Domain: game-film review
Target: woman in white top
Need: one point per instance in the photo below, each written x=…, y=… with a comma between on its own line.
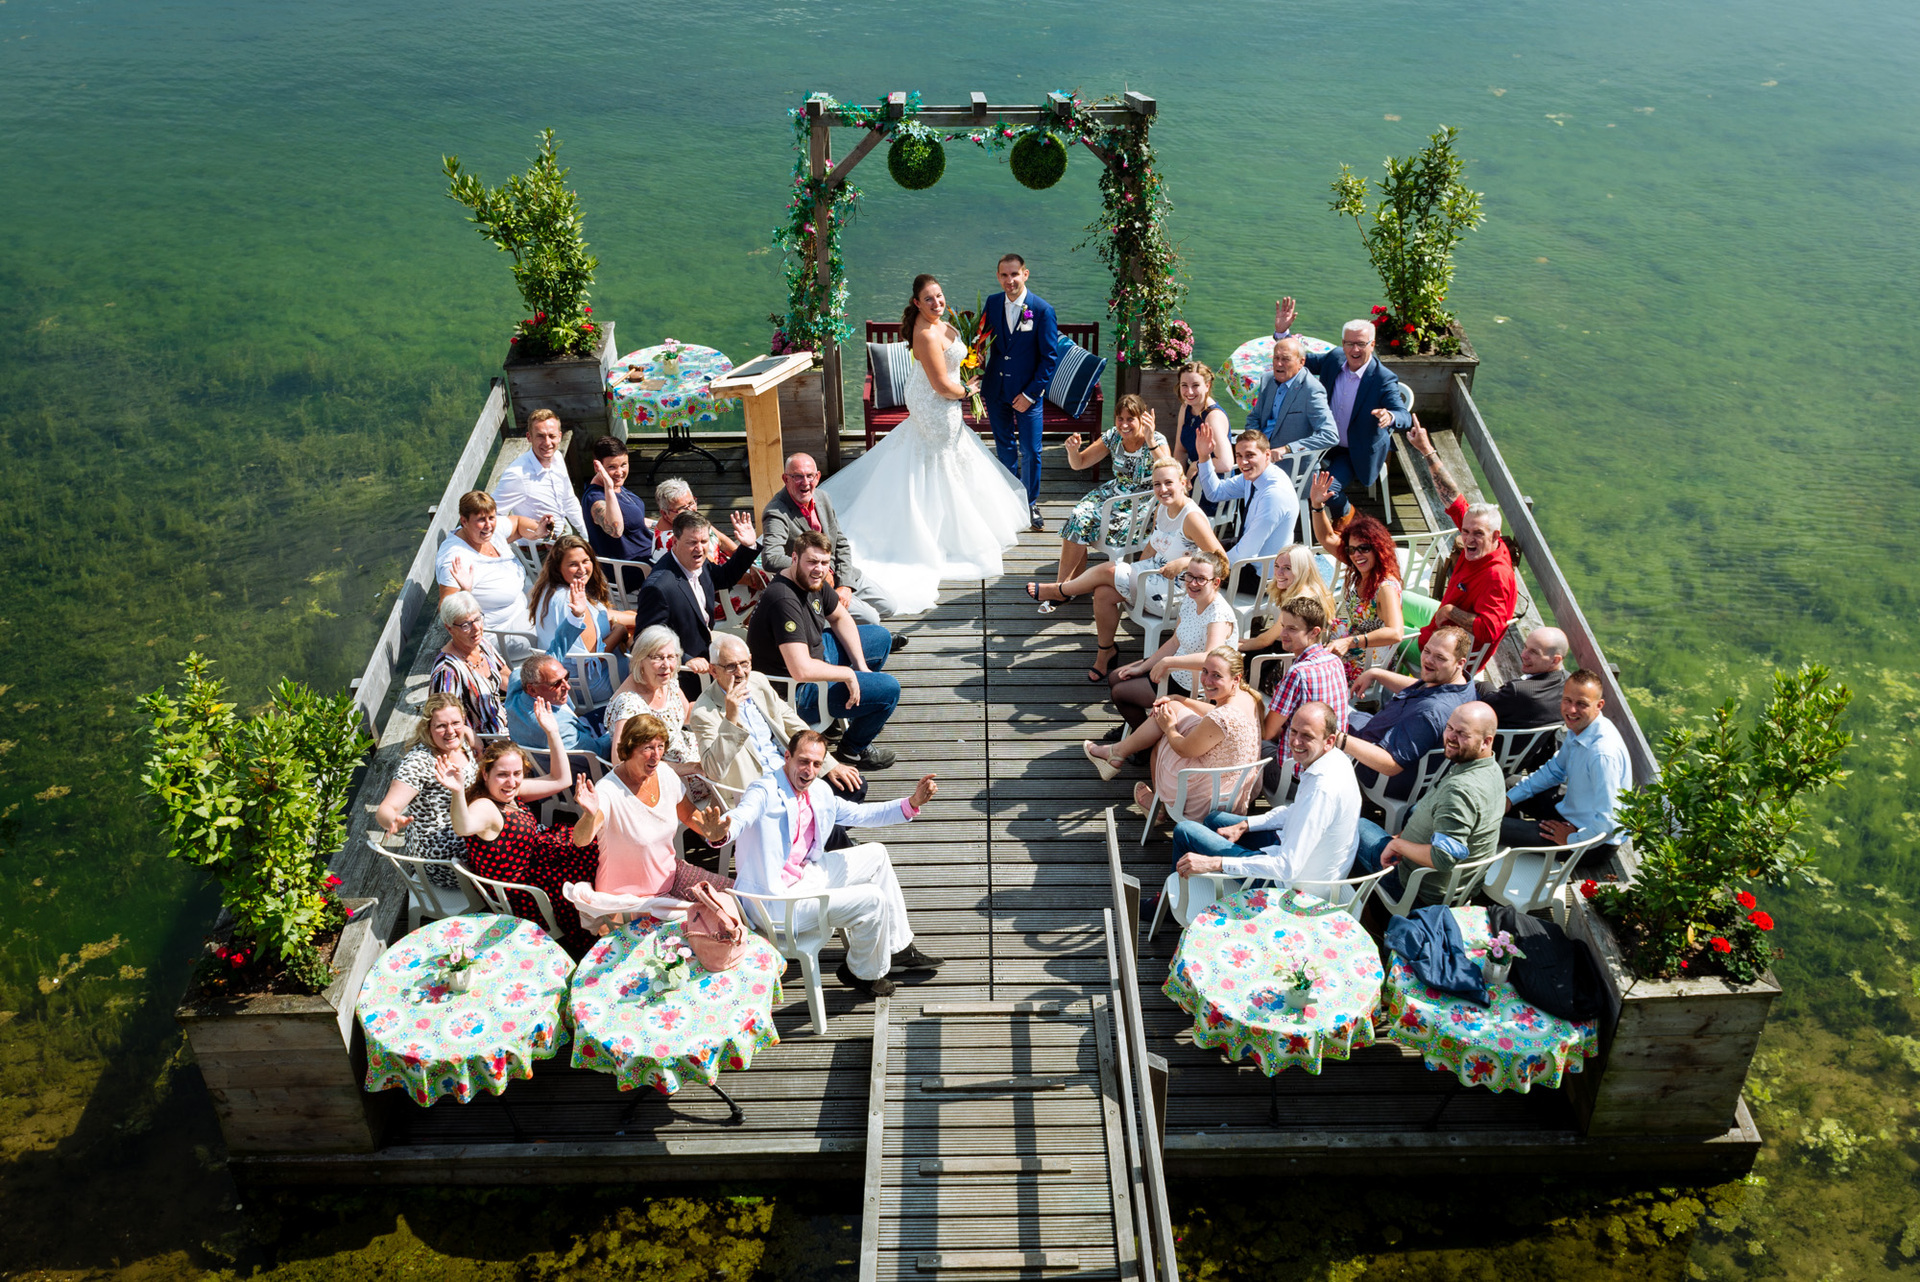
x=653, y=686
x=1204, y=623
x=1179, y=527
x=478, y=558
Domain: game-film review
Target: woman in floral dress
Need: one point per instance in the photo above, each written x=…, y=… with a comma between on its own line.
x=1132, y=444
x=1370, y=612
x=416, y=803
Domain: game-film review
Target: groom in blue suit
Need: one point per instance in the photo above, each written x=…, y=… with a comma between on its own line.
x=1026, y=347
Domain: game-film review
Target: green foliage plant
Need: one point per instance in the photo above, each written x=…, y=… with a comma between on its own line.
x=1038, y=160
x=916, y=160
x=260, y=803
x=536, y=218
x=1722, y=814
x=1423, y=211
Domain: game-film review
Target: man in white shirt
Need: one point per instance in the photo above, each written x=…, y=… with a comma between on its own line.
x=536, y=484
x=1273, y=505
x=1315, y=835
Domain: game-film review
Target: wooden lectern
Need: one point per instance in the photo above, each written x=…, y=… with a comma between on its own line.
x=757, y=385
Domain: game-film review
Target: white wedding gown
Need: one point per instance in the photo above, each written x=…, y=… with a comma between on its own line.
x=930, y=501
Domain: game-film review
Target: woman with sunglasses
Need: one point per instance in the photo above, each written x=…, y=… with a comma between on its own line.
x=1370, y=610
x=1203, y=622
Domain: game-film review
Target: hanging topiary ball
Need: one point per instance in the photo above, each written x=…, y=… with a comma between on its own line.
x=1038, y=160
x=916, y=163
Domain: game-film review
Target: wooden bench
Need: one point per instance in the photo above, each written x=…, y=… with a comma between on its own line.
x=1053, y=420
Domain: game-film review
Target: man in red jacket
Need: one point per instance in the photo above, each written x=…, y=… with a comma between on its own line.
x=1483, y=591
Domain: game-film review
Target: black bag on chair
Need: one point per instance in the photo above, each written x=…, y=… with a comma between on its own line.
x=1558, y=973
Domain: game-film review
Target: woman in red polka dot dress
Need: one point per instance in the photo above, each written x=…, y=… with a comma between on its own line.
x=503, y=841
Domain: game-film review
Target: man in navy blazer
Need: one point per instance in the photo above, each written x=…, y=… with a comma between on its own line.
x=1026, y=347
x=684, y=588
x=1367, y=402
x=1290, y=407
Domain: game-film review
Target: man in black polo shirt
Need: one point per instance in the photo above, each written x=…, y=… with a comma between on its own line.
x=801, y=629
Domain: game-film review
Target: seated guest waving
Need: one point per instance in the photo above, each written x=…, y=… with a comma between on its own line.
x=801, y=630
x=1370, y=583
x=477, y=558
x=1133, y=446
x=1592, y=767
x=572, y=610
x=1533, y=697
x=1290, y=405
x=652, y=687
x=1294, y=575
x=1179, y=527
x=1366, y=400
x=415, y=803
x=543, y=681
x=1482, y=591
x=743, y=727
x=1202, y=422
x=616, y=517
x=1273, y=506
x=802, y=505
x=1465, y=806
x=635, y=814
x=780, y=830
x=1393, y=740
x=504, y=843
x=536, y=484
x=683, y=592
x=1312, y=839
x=469, y=666
x=1203, y=622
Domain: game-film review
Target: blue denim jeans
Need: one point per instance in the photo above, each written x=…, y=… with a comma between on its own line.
x=1366, y=859
x=879, y=693
x=1201, y=839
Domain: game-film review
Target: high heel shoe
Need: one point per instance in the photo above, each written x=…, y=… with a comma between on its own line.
x=1047, y=605
x=1098, y=676
x=1108, y=769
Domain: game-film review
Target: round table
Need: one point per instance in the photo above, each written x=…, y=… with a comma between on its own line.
x=1227, y=975
x=1509, y=1045
x=661, y=1039
x=671, y=405
x=430, y=1041
x=1253, y=361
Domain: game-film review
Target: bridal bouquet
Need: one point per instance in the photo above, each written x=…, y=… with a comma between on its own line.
x=978, y=336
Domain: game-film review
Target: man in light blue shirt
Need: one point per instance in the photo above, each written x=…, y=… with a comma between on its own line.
x=1591, y=764
x=1273, y=508
x=544, y=677
x=1290, y=407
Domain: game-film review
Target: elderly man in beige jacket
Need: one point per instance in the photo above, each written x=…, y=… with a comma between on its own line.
x=743, y=727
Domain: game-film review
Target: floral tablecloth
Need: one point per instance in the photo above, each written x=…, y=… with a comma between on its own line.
x=658, y=402
x=1253, y=361
x=647, y=1038
x=1227, y=975
x=1510, y=1045
x=430, y=1041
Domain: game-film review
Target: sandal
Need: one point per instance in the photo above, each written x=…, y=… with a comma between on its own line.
x=1098, y=676
x=1046, y=603
x=1107, y=767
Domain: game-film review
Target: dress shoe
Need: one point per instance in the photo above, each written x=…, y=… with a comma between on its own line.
x=1036, y=522
x=899, y=643
x=881, y=987
x=911, y=958
x=872, y=757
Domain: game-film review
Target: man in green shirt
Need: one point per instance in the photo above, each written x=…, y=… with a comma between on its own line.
x=1466, y=804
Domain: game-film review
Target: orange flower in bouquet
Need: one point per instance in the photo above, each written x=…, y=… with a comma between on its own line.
x=978, y=336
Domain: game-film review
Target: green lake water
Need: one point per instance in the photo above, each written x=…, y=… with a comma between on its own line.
x=242, y=334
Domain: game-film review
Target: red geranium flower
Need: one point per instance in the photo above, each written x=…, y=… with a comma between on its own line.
x=1683, y=965
x=1589, y=888
x=237, y=961
x=589, y=311
x=1394, y=343
x=332, y=881
x=1378, y=310
x=1762, y=920
x=1744, y=899
x=1409, y=329
x=1720, y=945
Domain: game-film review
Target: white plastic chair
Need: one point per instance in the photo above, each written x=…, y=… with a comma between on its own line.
x=1134, y=512
x=1419, y=554
x=795, y=942
x=1301, y=468
x=581, y=667
x=425, y=901
x=1536, y=877
x=1358, y=891
x=531, y=556
x=788, y=690
x=623, y=580
x=1463, y=882
x=562, y=809
x=1246, y=602
x=1426, y=773
x=1513, y=745
x=1216, y=778
x=494, y=895
x=1260, y=663
x=1151, y=625
x=736, y=605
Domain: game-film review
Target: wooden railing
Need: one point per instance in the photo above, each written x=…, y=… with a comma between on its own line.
x=1144, y=1075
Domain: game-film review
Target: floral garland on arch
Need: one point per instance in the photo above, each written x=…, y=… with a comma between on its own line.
x=1131, y=228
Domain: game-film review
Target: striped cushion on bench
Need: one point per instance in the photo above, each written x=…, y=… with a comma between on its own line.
x=1075, y=379
x=890, y=363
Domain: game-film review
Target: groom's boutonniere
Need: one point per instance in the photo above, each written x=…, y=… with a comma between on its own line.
x=1026, y=318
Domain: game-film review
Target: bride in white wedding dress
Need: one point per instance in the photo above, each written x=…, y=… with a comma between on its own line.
x=930, y=501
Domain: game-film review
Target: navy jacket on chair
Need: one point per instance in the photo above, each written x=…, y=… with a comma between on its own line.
x=1366, y=443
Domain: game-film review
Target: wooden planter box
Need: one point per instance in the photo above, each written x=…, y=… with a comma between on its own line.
x=1430, y=378
x=1673, y=1055
x=575, y=389
x=1160, y=389
x=285, y=1071
x=803, y=417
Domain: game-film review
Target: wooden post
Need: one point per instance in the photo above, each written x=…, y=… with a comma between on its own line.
x=977, y=101
x=1127, y=378
x=819, y=154
x=766, y=456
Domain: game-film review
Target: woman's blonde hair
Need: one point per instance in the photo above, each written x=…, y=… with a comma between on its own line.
x=422, y=737
x=1306, y=579
x=1202, y=369
x=1236, y=667
x=1213, y=561
x=638, y=730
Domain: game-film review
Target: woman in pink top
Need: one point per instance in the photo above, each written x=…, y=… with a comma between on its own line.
x=1221, y=730
x=635, y=814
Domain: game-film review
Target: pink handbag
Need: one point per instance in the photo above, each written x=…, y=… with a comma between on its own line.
x=713, y=927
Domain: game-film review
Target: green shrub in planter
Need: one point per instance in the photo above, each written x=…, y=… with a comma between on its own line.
x=1038, y=160
x=916, y=163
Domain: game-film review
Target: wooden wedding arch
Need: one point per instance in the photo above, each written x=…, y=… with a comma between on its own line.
x=823, y=116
